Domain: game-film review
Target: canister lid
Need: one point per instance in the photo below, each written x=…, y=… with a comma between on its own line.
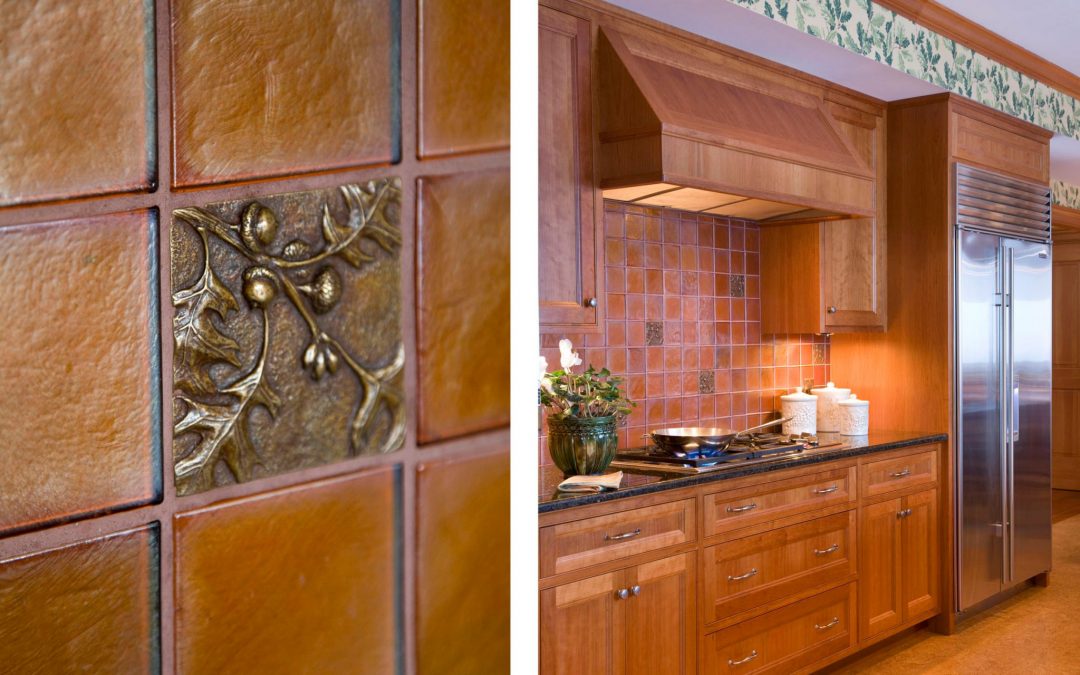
x=853, y=402
x=831, y=390
x=798, y=396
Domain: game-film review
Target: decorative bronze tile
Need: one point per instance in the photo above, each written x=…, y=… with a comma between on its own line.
x=79, y=368
x=308, y=368
x=77, y=86
x=738, y=286
x=270, y=88
x=819, y=353
x=299, y=580
x=91, y=607
x=706, y=382
x=654, y=333
x=463, y=565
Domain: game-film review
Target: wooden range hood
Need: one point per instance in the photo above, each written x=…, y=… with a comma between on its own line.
x=679, y=128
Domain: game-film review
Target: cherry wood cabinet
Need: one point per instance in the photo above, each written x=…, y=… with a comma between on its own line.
x=831, y=558
x=570, y=229
x=637, y=620
x=898, y=541
x=829, y=275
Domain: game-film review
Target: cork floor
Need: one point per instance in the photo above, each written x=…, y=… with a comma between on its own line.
x=1036, y=632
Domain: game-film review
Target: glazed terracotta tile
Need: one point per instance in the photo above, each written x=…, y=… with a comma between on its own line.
x=80, y=358
x=91, y=129
x=287, y=338
x=90, y=607
x=463, y=565
x=263, y=89
x=464, y=76
x=298, y=580
x=463, y=337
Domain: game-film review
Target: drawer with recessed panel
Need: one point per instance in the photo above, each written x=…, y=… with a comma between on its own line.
x=898, y=473
x=582, y=543
x=755, y=505
x=746, y=573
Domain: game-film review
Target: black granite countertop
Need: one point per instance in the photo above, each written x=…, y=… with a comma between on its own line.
x=640, y=482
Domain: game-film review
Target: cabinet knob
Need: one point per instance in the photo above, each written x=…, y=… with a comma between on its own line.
x=635, y=590
x=832, y=309
x=622, y=594
x=903, y=514
x=590, y=302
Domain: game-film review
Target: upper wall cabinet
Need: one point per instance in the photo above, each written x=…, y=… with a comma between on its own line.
x=829, y=275
x=569, y=268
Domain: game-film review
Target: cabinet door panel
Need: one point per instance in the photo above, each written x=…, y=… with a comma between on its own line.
x=569, y=273
x=919, y=533
x=853, y=283
x=581, y=627
x=879, y=568
x=660, y=621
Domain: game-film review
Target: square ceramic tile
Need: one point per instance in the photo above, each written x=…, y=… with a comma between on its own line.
x=288, y=348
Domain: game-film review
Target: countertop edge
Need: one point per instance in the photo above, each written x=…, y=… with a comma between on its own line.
x=717, y=476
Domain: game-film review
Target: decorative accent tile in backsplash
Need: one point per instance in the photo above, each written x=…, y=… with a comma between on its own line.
x=683, y=324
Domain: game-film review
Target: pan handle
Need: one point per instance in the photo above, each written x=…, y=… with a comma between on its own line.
x=764, y=426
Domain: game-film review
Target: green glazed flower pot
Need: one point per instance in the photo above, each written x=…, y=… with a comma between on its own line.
x=582, y=446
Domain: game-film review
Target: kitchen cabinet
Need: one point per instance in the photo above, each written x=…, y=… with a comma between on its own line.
x=637, y=620
x=571, y=231
x=829, y=275
x=775, y=572
x=898, y=558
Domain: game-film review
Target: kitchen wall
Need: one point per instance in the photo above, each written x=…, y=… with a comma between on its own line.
x=683, y=324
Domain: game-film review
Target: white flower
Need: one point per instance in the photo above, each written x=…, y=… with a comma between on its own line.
x=545, y=381
x=569, y=357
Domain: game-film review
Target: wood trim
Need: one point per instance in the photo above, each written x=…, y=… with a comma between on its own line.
x=1065, y=219
x=958, y=28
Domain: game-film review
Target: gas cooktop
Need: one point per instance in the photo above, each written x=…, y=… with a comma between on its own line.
x=751, y=448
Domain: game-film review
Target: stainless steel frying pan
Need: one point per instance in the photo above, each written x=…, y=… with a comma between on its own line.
x=683, y=441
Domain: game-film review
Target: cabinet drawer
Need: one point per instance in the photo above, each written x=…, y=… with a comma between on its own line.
x=582, y=543
x=787, y=639
x=898, y=473
x=749, y=572
x=726, y=511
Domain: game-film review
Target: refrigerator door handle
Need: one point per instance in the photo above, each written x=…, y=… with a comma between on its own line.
x=1013, y=421
x=1015, y=411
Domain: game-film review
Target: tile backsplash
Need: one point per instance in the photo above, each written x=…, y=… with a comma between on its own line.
x=683, y=325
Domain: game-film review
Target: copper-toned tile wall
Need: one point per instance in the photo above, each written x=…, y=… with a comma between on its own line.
x=683, y=325
x=299, y=580
x=78, y=368
x=272, y=88
x=90, y=607
x=123, y=117
x=464, y=76
x=461, y=569
x=76, y=81
x=464, y=318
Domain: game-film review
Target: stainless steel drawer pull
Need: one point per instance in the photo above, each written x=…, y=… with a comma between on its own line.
x=825, y=491
x=827, y=626
x=624, y=535
x=826, y=551
x=903, y=514
x=752, y=572
x=753, y=655
x=740, y=509
x=902, y=473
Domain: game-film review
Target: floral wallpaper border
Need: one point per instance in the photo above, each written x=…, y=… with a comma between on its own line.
x=878, y=33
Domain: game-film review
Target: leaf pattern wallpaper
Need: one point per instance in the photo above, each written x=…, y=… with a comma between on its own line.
x=870, y=30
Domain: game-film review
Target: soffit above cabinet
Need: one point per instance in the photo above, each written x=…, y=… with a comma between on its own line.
x=675, y=115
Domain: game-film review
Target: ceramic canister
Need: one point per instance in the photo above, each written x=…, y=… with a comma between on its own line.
x=854, y=416
x=828, y=418
x=802, y=408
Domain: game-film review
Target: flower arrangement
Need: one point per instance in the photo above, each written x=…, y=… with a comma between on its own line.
x=593, y=393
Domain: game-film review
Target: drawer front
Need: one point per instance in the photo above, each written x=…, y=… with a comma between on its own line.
x=787, y=639
x=727, y=511
x=591, y=541
x=889, y=475
x=746, y=573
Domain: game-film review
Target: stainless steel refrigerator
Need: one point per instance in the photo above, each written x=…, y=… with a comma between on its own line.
x=1003, y=365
